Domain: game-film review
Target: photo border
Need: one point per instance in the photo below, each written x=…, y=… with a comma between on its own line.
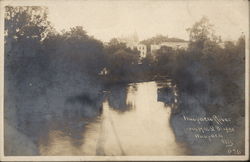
x=110, y=158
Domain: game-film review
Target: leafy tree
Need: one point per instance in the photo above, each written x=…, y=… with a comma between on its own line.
x=75, y=51
x=25, y=29
x=25, y=23
x=202, y=37
x=121, y=60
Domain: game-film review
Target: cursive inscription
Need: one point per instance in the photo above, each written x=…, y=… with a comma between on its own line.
x=213, y=129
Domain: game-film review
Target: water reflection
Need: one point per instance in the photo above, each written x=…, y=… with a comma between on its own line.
x=167, y=93
x=117, y=97
x=132, y=122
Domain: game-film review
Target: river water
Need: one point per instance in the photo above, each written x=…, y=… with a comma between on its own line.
x=141, y=127
x=146, y=118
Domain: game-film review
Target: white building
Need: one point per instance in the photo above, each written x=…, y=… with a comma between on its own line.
x=154, y=47
x=143, y=50
x=174, y=45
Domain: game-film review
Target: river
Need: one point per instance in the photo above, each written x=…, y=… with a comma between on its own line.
x=141, y=127
x=146, y=118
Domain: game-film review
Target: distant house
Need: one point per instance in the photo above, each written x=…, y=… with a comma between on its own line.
x=132, y=42
x=140, y=47
x=174, y=45
x=154, y=47
x=143, y=50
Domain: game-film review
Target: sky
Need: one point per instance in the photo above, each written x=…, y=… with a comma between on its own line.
x=106, y=19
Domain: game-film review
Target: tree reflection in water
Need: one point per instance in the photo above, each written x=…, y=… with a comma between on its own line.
x=117, y=97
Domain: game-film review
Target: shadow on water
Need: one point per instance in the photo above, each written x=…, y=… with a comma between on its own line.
x=63, y=108
x=33, y=111
x=90, y=105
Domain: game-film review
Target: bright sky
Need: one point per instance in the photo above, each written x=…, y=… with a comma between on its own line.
x=105, y=19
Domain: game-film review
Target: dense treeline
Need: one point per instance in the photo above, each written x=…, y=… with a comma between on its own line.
x=210, y=71
x=206, y=68
x=34, y=50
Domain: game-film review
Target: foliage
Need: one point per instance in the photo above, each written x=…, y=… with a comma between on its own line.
x=121, y=60
x=26, y=27
x=204, y=68
x=202, y=37
x=76, y=51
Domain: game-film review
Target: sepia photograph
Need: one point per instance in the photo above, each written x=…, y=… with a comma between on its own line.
x=124, y=80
